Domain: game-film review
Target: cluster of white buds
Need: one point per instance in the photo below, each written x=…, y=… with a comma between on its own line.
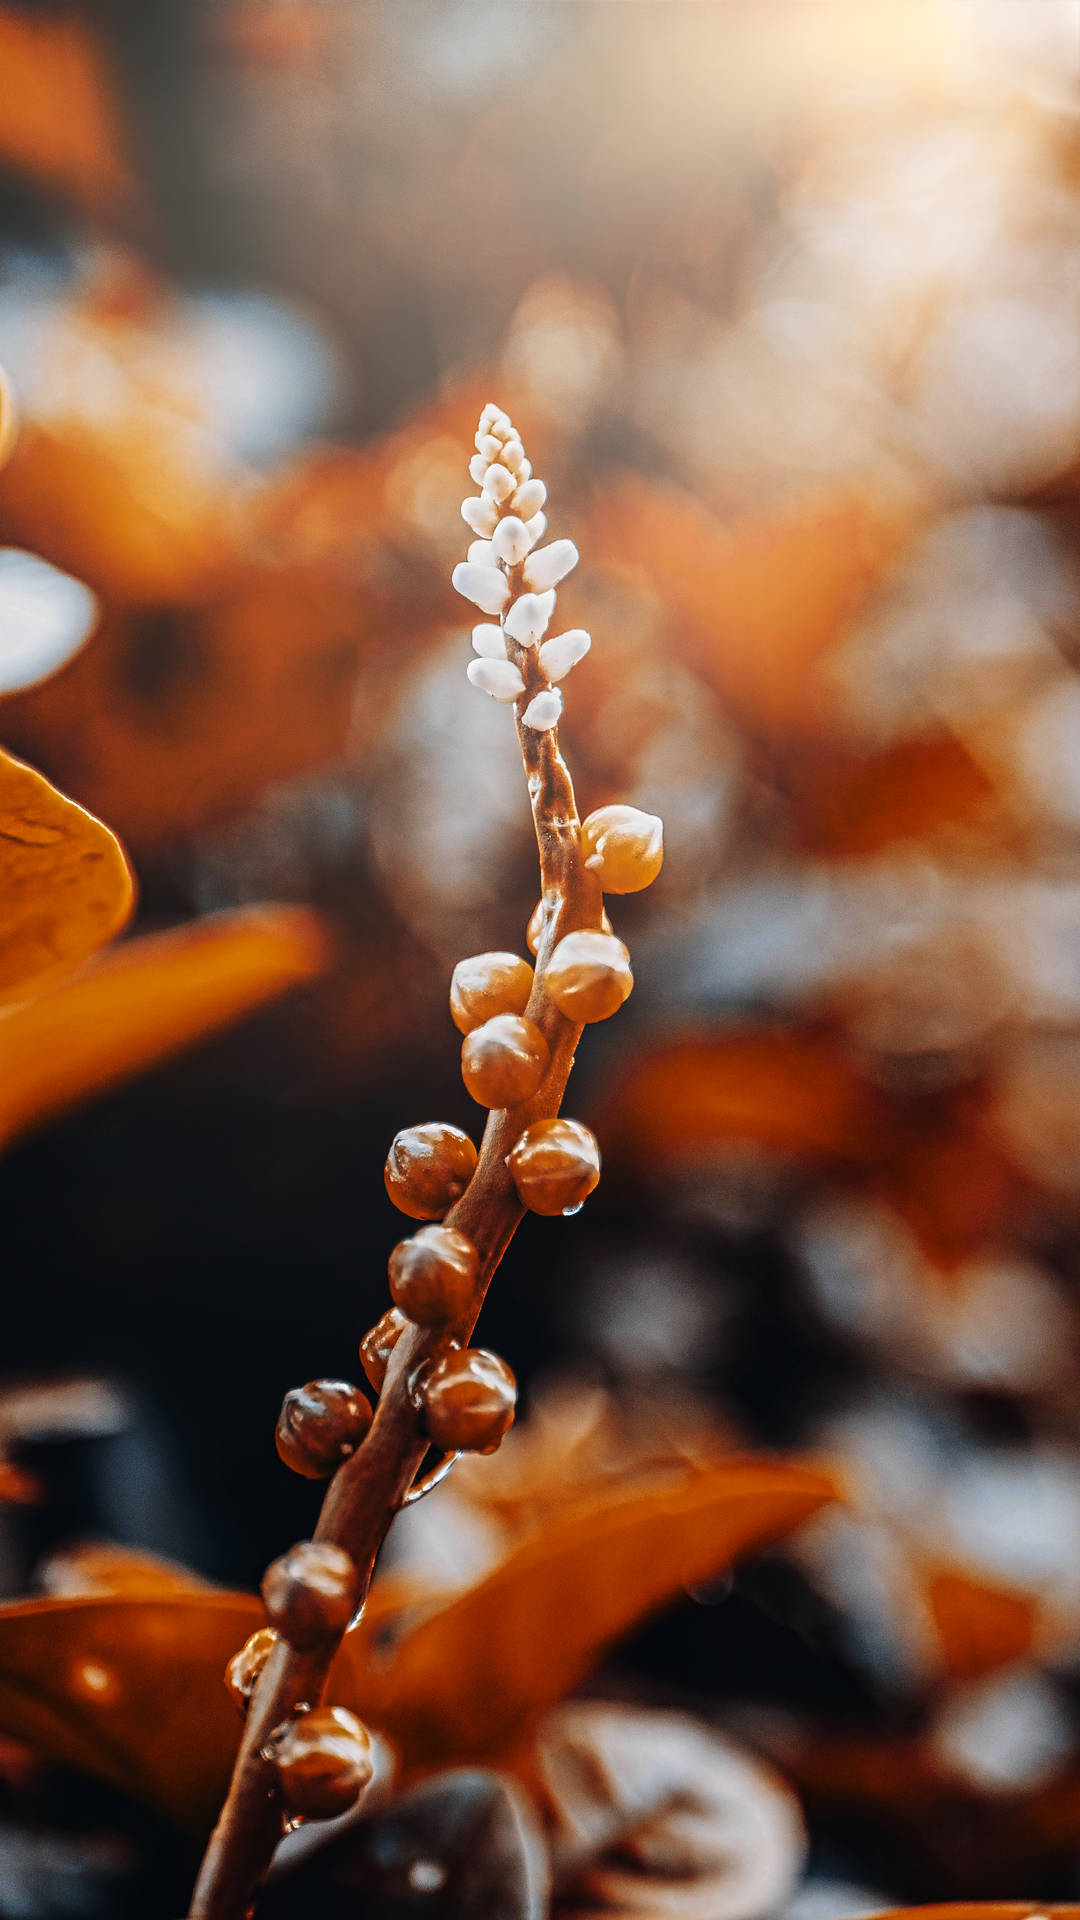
x=509, y=576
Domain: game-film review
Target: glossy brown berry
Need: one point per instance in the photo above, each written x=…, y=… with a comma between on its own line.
x=243, y=1670
x=320, y=1425
x=468, y=1401
x=624, y=847
x=310, y=1593
x=504, y=1061
x=377, y=1346
x=428, y=1168
x=555, y=1166
x=588, y=976
x=536, y=926
x=487, y=984
x=323, y=1761
x=432, y=1275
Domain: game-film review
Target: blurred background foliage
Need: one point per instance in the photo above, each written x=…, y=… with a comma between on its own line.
x=785, y=300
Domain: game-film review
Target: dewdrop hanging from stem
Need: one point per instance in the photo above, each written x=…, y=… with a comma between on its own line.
x=521, y=1027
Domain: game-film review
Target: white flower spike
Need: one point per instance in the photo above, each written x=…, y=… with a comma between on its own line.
x=510, y=541
x=528, y=618
x=529, y=499
x=481, y=515
x=563, y=651
x=486, y=587
x=499, y=678
x=543, y=711
x=512, y=579
x=498, y=483
x=550, y=565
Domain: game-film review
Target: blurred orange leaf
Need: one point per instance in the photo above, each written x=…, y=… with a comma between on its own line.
x=800, y=1093
x=130, y=1690
x=468, y=1680
x=854, y=806
x=59, y=123
x=792, y=1093
x=980, y=1624
x=945, y=1175
x=66, y=885
x=128, y=1685
x=99, y=1567
x=982, y=1910
x=145, y=1003
x=758, y=604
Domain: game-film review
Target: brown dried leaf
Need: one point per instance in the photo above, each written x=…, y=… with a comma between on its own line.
x=467, y=1680
x=654, y=1814
x=65, y=882
x=465, y=1846
x=144, y=1003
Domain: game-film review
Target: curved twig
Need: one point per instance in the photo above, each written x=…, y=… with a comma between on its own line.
x=371, y=1486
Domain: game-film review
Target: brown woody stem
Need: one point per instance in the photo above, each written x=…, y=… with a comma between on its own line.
x=368, y=1490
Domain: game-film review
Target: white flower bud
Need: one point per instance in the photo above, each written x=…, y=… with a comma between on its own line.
x=527, y=620
x=480, y=515
x=543, y=710
x=512, y=456
x=486, y=587
x=524, y=471
x=482, y=554
x=492, y=417
x=563, y=651
x=487, y=445
x=478, y=467
x=529, y=499
x=489, y=641
x=536, y=528
x=551, y=564
x=498, y=482
x=510, y=541
x=499, y=678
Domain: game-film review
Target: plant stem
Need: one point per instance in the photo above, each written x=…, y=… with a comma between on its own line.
x=368, y=1489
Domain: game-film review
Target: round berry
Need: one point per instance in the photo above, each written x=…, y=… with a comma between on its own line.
x=323, y=1761
x=504, y=1061
x=432, y=1276
x=588, y=976
x=310, y=1593
x=243, y=1670
x=378, y=1344
x=468, y=1400
x=624, y=847
x=535, y=927
x=320, y=1425
x=428, y=1168
x=555, y=1166
x=487, y=984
